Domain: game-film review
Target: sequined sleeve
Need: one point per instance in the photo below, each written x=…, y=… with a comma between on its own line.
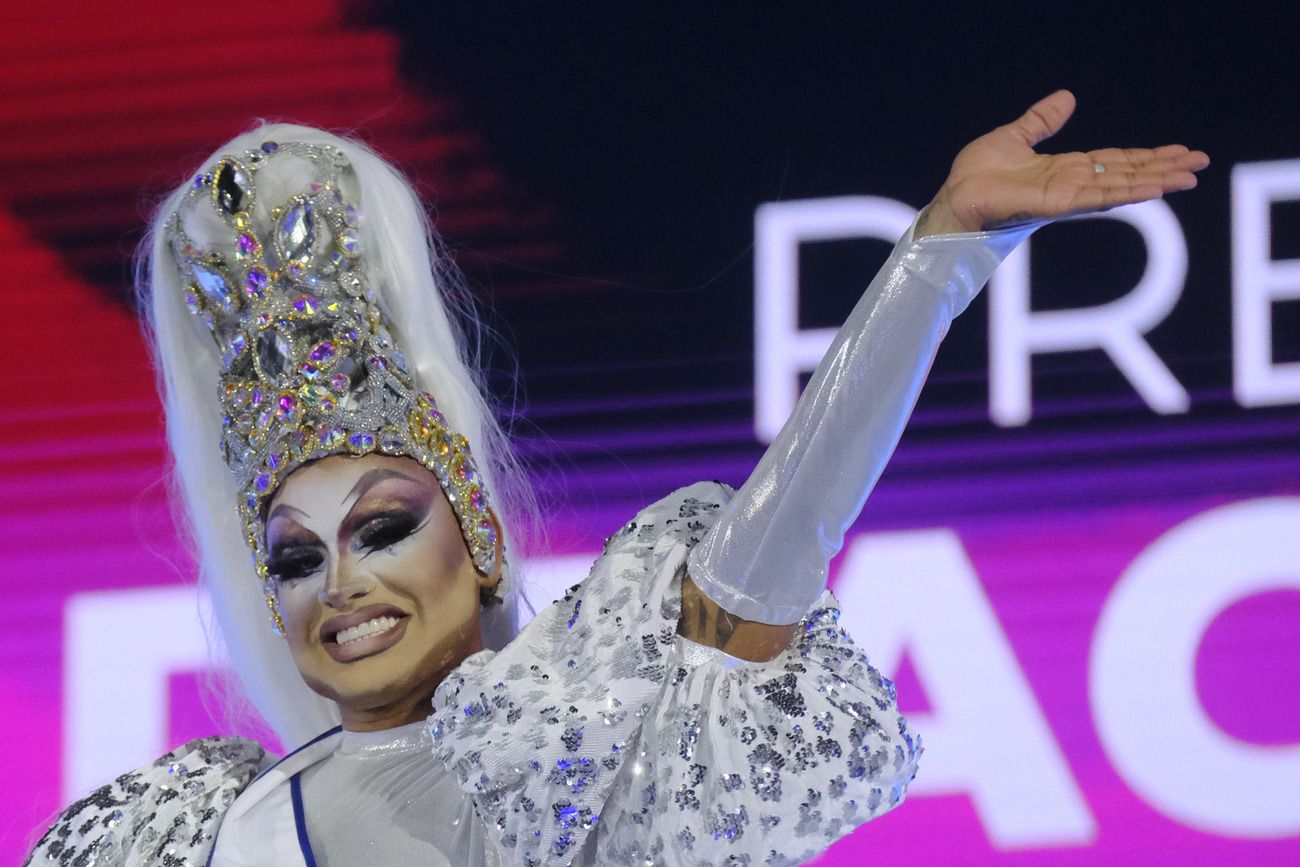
x=600, y=736
x=767, y=558
x=761, y=763
x=165, y=813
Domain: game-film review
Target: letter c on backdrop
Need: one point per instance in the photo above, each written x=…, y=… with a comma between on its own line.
x=1142, y=672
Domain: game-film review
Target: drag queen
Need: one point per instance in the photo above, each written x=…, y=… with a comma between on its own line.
x=692, y=701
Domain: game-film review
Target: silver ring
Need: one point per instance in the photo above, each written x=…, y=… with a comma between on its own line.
x=1098, y=168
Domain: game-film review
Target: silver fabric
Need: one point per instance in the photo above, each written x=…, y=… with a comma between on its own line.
x=767, y=558
x=600, y=736
x=382, y=798
x=164, y=813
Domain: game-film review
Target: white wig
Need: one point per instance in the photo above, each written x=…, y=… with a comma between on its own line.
x=424, y=300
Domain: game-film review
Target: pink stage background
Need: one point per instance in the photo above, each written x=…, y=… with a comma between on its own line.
x=1094, y=621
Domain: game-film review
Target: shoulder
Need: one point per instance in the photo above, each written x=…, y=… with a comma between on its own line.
x=685, y=515
x=175, y=803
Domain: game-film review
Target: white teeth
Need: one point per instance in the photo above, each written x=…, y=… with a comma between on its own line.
x=365, y=630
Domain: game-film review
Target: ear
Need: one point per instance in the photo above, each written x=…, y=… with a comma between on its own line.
x=487, y=583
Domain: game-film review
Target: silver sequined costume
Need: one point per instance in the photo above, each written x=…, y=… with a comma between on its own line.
x=599, y=736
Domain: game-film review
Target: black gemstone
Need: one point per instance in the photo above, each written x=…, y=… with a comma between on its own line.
x=230, y=192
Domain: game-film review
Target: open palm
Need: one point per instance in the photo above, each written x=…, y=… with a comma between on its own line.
x=999, y=180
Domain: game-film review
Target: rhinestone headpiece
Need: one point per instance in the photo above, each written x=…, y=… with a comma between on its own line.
x=308, y=363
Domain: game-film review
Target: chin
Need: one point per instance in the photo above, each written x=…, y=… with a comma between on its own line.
x=366, y=683
x=398, y=675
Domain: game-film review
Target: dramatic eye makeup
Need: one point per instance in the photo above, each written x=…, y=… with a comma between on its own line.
x=390, y=507
x=384, y=525
x=295, y=551
x=291, y=562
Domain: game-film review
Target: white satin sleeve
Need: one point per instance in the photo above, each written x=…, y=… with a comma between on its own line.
x=767, y=558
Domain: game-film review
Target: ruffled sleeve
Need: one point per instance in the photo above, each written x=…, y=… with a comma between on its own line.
x=764, y=763
x=166, y=813
x=601, y=736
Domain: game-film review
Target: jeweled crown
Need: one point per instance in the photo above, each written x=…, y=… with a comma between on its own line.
x=309, y=367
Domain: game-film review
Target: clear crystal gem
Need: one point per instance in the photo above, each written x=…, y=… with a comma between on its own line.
x=273, y=351
x=212, y=285
x=296, y=234
x=235, y=347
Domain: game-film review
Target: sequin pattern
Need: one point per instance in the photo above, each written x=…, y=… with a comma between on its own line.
x=600, y=720
x=166, y=814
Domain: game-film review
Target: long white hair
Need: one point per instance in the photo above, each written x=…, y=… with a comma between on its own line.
x=426, y=303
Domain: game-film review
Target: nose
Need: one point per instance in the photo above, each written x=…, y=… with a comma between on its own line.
x=343, y=583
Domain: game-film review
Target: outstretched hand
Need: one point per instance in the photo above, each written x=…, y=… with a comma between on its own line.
x=999, y=180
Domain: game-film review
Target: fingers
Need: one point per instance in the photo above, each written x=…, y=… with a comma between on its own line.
x=1099, y=198
x=1044, y=118
x=1122, y=183
x=1161, y=159
x=1165, y=174
x=1164, y=182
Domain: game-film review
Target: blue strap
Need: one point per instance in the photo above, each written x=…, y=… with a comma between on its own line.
x=287, y=756
x=297, y=802
x=300, y=821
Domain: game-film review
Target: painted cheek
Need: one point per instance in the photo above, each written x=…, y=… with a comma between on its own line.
x=297, y=602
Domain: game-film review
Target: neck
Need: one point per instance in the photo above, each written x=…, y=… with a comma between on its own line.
x=410, y=709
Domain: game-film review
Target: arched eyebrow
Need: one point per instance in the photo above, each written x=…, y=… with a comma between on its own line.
x=372, y=478
x=283, y=510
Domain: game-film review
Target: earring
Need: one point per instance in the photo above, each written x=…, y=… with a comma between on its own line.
x=273, y=605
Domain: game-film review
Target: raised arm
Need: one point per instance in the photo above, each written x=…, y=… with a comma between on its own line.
x=765, y=562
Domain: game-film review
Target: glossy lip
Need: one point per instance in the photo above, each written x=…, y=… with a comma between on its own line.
x=363, y=647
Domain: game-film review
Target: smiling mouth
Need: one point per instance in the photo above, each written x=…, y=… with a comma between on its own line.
x=377, y=626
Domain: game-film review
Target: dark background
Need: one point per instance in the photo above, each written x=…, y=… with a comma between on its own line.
x=594, y=170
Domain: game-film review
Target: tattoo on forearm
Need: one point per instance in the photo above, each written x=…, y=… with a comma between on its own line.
x=706, y=622
x=703, y=620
